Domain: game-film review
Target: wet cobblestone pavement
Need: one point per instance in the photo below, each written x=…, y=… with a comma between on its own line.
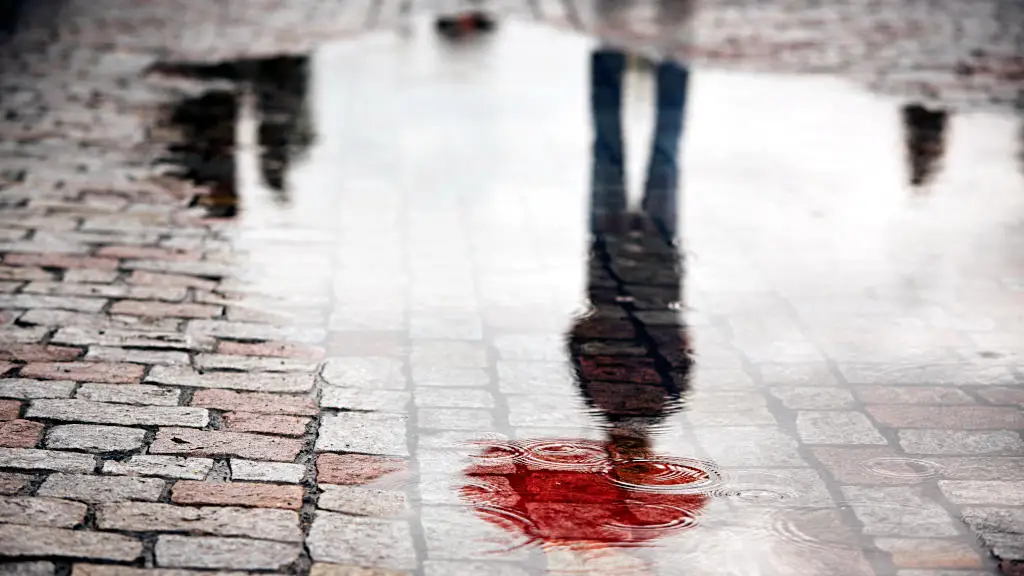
x=302, y=288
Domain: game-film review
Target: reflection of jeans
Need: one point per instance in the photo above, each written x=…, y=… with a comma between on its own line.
x=609, y=167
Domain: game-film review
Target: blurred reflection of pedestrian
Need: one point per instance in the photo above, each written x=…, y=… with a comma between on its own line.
x=608, y=177
x=925, y=132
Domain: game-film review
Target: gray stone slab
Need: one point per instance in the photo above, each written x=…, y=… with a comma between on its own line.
x=367, y=433
x=92, y=438
x=232, y=553
x=359, y=541
x=100, y=489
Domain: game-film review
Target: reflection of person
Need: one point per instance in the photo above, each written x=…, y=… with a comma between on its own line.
x=608, y=175
x=925, y=133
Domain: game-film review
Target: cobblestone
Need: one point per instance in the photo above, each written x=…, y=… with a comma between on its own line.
x=20, y=434
x=215, y=443
x=121, y=414
x=167, y=466
x=112, y=354
x=363, y=501
x=232, y=553
x=367, y=433
x=237, y=494
x=84, y=372
x=960, y=442
x=1005, y=493
x=9, y=410
x=31, y=541
x=30, y=389
x=11, y=484
x=253, y=363
x=39, y=353
x=41, y=512
x=355, y=468
x=266, y=524
x=257, y=403
x=31, y=459
x=265, y=382
x=68, y=288
x=926, y=553
x=94, y=438
x=129, y=394
x=898, y=511
x=28, y=569
x=267, y=471
x=361, y=541
x=265, y=423
x=837, y=427
x=101, y=489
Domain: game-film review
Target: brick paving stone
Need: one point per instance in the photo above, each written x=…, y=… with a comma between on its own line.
x=122, y=414
x=237, y=494
x=31, y=459
x=261, y=523
x=50, y=512
x=837, y=427
x=1005, y=493
x=454, y=419
x=81, y=326
x=960, y=417
x=937, y=395
x=90, y=275
x=749, y=446
x=251, y=331
x=101, y=489
x=167, y=466
x=24, y=273
x=325, y=569
x=67, y=288
x=452, y=398
x=20, y=433
x=203, y=269
x=95, y=438
x=6, y=367
x=231, y=553
x=11, y=483
x=163, y=310
x=141, y=394
x=18, y=335
x=256, y=382
x=267, y=471
x=342, y=539
x=367, y=400
x=114, y=338
x=143, y=278
x=9, y=410
x=60, y=261
x=41, y=568
x=968, y=442
x=113, y=354
x=928, y=553
x=375, y=373
x=27, y=541
x=265, y=423
x=813, y=398
x=112, y=373
x=898, y=511
x=39, y=353
x=368, y=433
x=26, y=389
x=146, y=252
x=271, y=349
x=1003, y=395
x=352, y=469
x=255, y=402
x=59, y=302
x=117, y=570
x=360, y=501
x=253, y=363
x=216, y=443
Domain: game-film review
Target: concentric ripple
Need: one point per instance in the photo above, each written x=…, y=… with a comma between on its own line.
x=559, y=454
x=902, y=468
x=666, y=475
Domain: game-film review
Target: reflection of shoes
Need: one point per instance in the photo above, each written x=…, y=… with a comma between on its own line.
x=465, y=24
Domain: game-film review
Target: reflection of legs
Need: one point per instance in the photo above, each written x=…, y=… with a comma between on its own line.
x=608, y=185
x=663, y=171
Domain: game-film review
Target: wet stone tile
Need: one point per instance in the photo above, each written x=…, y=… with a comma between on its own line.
x=167, y=466
x=354, y=469
x=367, y=433
x=966, y=442
x=936, y=395
x=366, y=400
x=454, y=419
x=255, y=402
x=326, y=569
x=251, y=382
x=261, y=523
x=41, y=568
x=141, y=395
x=31, y=389
x=930, y=553
x=33, y=511
x=237, y=494
x=530, y=377
x=954, y=374
x=185, y=441
x=749, y=446
x=449, y=354
x=453, y=398
x=337, y=538
x=375, y=373
x=449, y=377
x=233, y=553
x=451, y=568
x=898, y=511
x=546, y=411
x=91, y=438
x=837, y=427
x=785, y=487
x=813, y=397
x=981, y=468
x=101, y=489
x=457, y=534
x=28, y=541
x=959, y=417
x=1005, y=493
x=361, y=501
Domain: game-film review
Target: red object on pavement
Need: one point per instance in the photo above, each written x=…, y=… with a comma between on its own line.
x=586, y=493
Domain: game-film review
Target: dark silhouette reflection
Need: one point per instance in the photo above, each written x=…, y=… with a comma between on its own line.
x=208, y=123
x=631, y=358
x=608, y=172
x=925, y=132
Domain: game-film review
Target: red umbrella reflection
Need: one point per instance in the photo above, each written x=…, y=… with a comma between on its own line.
x=586, y=493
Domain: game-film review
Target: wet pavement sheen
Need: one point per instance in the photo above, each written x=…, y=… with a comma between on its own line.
x=554, y=344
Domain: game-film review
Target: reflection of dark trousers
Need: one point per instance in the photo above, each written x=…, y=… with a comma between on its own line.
x=609, y=173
